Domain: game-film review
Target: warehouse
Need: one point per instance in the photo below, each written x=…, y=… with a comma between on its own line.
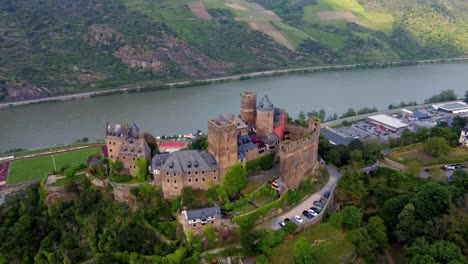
x=387, y=122
x=454, y=108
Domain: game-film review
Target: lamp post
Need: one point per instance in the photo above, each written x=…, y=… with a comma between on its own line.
x=53, y=159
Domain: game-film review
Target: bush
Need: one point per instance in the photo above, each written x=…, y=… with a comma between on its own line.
x=263, y=163
x=120, y=178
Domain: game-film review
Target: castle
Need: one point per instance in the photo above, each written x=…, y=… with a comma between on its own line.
x=260, y=129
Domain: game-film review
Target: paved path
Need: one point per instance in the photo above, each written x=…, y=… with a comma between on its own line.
x=307, y=203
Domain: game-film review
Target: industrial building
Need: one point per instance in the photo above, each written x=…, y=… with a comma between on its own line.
x=454, y=108
x=387, y=122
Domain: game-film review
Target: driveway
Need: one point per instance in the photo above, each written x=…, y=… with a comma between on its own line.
x=308, y=202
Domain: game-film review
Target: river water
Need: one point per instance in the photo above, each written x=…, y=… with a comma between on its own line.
x=184, y=110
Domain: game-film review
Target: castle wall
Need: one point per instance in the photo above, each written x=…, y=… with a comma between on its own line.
x=281, y=127
x=248, y=107
x=222, y=144
x=265, y=123
x=299, y=157
x=172, y=183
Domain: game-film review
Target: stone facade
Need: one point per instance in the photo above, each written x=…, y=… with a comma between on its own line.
x=124, y=144
x=248, y=107
x=222, y=142
x=299, y=155
x=184, y=169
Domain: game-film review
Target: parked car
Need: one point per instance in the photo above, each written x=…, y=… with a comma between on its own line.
x=282, y=224
x=312, y=212
x=459, y=166
x=326, y=195
x=318, y=203
x=298, y=219
x=323, y=199
x=308, y=214
x=316, y=209
x=448, y=167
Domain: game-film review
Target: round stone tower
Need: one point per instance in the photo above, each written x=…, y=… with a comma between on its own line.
x=248, y=107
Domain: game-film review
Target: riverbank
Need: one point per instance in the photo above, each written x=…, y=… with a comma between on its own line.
x=152, y=86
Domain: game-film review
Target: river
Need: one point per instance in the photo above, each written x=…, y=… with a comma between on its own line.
x=184, y=110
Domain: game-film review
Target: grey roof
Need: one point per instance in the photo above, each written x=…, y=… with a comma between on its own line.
x=335, y=137
x=184, y=161
x=420, y=115
x=265, y=104
x=244, y=143
x=222, y=121
x=94, y=161
x=453, y=106
x=271, y=139
x=278, y=115
x=135, y=147
x=204, y=213
x=236, y=119
x=122, y=130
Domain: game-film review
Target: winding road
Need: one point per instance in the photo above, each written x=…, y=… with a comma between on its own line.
x=335, y=175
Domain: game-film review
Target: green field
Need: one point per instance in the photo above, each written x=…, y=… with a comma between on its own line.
x=37, y=168
x=333, y=245
x=416, y=152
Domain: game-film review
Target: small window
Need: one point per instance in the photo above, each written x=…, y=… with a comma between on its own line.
x=124, y=157
x=189, y=173
x=175, y=181
x=133, y=158
x=189, y=180
x=168, y=180
x=112, y=157
x=196, y=179
x=202, y=172
x=110, y=150
x=196, y=172
x=167, y=173
x=176, y=187
x=214, y=171
x=203, y=179
x=174, y=174
x=114, y=143
x=214, y=177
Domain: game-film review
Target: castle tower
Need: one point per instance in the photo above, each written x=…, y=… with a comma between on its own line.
x=248, y=107
x=265, y=117
x=222, y=143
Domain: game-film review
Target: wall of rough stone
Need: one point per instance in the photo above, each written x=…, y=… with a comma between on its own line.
x=299, y=157
x=264, y=122
x=248, y=107
x=222, y=144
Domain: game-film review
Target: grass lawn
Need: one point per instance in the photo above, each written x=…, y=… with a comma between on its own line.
x=294, y=35
x=334, y=246
x=329, y=39
x=37, y=168
x=251, y=187
x=416, y=152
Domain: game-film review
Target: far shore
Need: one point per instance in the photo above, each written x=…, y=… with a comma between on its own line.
x=153, y=86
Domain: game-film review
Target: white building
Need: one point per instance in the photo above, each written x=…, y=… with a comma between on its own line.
x=387, y=122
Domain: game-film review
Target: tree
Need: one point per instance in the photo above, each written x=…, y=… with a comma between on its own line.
x=303, y=252
x=437, y=146
x=117, y=166
x=152, y=143
x=235, y=179
x=440, y=251
x=431, y=197
x=413, y=167
x=365, y=245
x=142, y=169
x=351, y=183
x=302, y=116
x=352, y=217
x=460, y=180
x=200, y=143
x=378, y=231
x=356, y=157
x=405, y=228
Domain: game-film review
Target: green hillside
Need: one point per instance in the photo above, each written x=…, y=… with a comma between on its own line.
x=51, y=47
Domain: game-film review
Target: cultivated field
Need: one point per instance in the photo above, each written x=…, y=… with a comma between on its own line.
x=37, y=168
x=199, y=10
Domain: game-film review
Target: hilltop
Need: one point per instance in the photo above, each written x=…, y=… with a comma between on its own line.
x=56, y=47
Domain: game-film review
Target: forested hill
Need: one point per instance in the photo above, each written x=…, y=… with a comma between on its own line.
x=50, y=47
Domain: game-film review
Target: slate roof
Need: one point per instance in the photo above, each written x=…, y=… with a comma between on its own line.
x=271, y=139
x=335, y=137
x=278, y=115
x=135, y=147
x=204, y=213
x=184, y=161
x=122, y=130
x=265, y=104
x=465, y=128
x=244, y=143
x=236, y=119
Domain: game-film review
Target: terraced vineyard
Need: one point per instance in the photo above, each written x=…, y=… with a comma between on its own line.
x=54, y=47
